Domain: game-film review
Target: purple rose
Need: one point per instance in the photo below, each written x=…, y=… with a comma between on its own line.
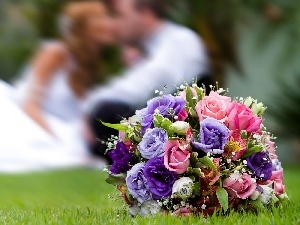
x=260, y=165
x=213, y=136
x=122, y=159
x=166, y=105
x=137, y=183
x=153, y=143
x=159, y=179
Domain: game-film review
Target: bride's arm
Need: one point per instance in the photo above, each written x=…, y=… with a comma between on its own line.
x=44, y=65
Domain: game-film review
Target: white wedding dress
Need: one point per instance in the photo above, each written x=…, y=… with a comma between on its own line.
x=24, y=145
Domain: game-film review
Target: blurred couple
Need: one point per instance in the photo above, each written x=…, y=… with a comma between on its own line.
x=49, y=119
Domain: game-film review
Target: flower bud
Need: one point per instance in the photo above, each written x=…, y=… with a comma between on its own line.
x=180, y=127
x=248, y=101
x=257, y=108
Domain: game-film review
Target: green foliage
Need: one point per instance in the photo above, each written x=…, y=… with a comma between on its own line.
x=251, y=149
x=116, y=179
x=257, y=205
x=80, y=196
x=223, y=198
x=165, y=123
x=120, y=127
x=208, y=163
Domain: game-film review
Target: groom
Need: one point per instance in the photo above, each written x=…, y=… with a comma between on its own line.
x=173, y=54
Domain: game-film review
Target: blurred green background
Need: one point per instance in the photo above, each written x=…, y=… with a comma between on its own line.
x=253, y=45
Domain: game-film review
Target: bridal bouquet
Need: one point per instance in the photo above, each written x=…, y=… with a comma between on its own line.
x=190, y=153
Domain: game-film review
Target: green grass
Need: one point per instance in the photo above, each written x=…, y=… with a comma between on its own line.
x=81, y=197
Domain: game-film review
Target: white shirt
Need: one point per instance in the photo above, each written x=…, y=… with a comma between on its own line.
x=175, y=55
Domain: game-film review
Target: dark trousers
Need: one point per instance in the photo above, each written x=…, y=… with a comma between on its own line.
x=109, y=112
x=114, y=112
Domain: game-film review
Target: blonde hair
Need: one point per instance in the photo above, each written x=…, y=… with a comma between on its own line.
x=72, y=24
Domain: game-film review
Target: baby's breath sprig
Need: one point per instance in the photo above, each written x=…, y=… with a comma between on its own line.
x=111, y=143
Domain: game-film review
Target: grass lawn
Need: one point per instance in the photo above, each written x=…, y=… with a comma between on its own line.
x=81, y=197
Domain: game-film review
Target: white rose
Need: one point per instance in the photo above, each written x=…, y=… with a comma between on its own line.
x=266, y=195
x=149, y=208
x=180, y=127
x=183, y=188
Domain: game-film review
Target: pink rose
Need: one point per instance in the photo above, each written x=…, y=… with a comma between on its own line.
x=213, y=106
x=177, y=157
x=240, y=185
x=240, y=117
x=277, y=178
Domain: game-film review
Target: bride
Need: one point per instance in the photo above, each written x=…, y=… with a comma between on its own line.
x=40, y=118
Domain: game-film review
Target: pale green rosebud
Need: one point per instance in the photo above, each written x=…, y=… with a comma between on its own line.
x=248, y=101
x=180, y=127
x=183, y=188
x=257, y=108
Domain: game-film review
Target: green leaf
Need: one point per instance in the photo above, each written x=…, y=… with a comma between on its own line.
x=157, y=120
x=198, y=172
x=165, y=123
x=194, y=158
x=121, y=127
x=257, y=204
x=244, y=135
x=251, y=151
x=190, y=97
x=195, y=171
x=196, y=189
x=116, y=179
x=222, y=196
x=200, y=93
x=207, y=162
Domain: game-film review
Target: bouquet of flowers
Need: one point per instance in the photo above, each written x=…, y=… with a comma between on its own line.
x=189, y=153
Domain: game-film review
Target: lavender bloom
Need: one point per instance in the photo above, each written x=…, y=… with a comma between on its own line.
x=147, y=122
x=153, y=143
x=159, y=179
x=213, y=136
x=122, y=159
x=137, y=184
x=166, y=105
x=261, y=165
x=276, y=165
